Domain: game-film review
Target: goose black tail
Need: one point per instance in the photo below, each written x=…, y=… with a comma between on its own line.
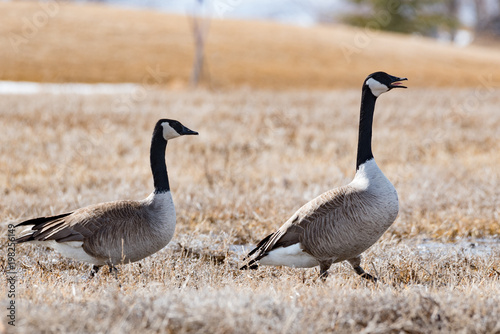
x=41, y=220
x=38, y=224
x=250, y=265
x=253, y=264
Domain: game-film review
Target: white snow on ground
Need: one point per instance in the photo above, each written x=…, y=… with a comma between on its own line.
x=28, y=88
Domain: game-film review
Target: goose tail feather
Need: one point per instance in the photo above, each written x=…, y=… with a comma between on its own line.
x=38, y=224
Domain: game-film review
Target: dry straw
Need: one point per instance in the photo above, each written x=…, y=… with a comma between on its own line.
x=259, y=156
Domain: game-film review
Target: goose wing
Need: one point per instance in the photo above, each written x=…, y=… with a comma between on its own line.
x=78, y=225
x=310, y=219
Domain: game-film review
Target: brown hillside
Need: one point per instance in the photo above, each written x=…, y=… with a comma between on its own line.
x=93, y=43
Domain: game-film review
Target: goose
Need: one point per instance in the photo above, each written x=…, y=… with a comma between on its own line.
x=342, y=223
x=117, y=232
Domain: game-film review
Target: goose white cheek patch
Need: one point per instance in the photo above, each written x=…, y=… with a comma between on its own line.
x=168, y=131
x=376, y=87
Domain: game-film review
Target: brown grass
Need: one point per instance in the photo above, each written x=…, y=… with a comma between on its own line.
x=259, y=156
x=92, y=43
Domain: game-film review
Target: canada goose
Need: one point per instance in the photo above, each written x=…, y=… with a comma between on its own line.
x=343, y=222
x=116, y=232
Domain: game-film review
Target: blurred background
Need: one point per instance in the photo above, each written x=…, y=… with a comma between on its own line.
x=221, y=44
x=460, y=21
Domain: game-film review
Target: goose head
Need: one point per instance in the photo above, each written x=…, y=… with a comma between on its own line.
x=381, y=82
x=172, y=129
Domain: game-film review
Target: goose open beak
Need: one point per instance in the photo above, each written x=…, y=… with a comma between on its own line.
x=397, y=83
x=186, y=131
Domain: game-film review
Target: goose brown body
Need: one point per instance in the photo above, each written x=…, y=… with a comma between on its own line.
x=109, y=233
x=344, y=222
x=338, y=225
x=116, y=232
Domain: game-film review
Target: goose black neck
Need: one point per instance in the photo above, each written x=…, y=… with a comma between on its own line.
x=365, y=126
x=158, y=166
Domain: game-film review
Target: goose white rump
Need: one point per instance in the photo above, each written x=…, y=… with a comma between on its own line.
x=291, y=256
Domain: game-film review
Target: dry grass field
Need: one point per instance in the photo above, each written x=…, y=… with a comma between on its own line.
x=260, y=155
x=64, y=42
x=272, y=136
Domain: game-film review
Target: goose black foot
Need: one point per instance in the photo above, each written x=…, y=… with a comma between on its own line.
x=94, y=270
x=356, y=265
x=113, y=270
x=323, y=269
x=364, y=274
x=323, y=275
x=369, y=277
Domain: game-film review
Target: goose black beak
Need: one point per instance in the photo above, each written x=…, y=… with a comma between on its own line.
x=186, y=131
x=396, y=83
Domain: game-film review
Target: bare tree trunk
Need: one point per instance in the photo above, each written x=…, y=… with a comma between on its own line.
x=481, y=14
x=200, y=25
x=452, y=6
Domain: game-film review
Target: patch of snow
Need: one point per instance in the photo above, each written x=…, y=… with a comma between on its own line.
x=30, y=88
x=478, y=247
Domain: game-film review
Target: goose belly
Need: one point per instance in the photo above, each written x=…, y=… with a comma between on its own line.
x=132, y=248
x=154, y=245
x=350, y=233
x=154, y=233
x=353, y=239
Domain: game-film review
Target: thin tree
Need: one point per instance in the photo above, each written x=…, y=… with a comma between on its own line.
x=200, y=24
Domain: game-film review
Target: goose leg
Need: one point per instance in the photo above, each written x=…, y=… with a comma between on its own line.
x=94, y=270
x=356, y=265
x=113, y=270
x=323, y=269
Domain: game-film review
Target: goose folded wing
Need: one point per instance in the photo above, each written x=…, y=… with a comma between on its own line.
x=73, y=226
x=308, y=218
